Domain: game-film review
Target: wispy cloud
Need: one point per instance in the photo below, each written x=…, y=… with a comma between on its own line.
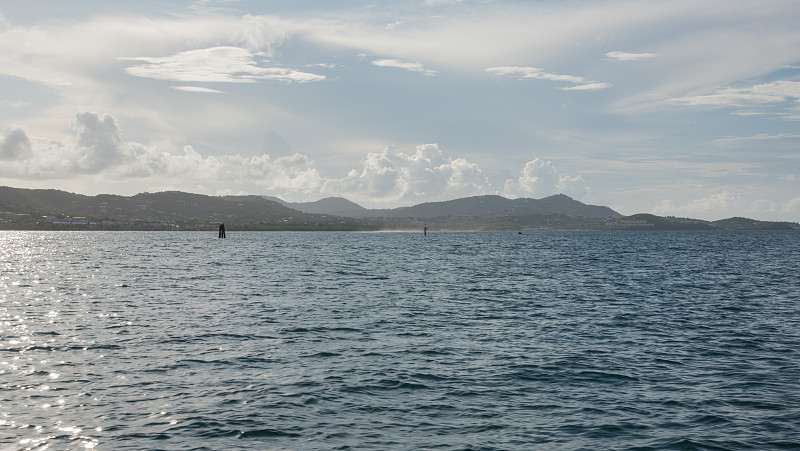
x=586, y=87
x=64, y=50
x=393, y=25
x=442, y=2
x=413, y=67
x=532, y=72
x=758, y=138
x=581, y=84
x=197, y=89
x=782, y=145
x=775, y=92
x=625, y=56
x=214, y=65
x=14, y=104
x=747, y=113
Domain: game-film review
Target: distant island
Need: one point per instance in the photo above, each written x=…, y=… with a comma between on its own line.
x=47, y=209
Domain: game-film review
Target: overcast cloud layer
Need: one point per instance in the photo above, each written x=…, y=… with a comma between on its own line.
x=686, y=108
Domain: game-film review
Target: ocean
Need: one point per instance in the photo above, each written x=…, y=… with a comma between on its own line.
x=399, y=341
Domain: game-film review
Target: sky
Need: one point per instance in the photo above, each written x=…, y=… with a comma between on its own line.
x=686, y=108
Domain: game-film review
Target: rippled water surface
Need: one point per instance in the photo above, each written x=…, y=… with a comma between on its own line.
x=551, y=340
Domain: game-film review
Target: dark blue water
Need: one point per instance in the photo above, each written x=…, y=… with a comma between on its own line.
x=376, y=341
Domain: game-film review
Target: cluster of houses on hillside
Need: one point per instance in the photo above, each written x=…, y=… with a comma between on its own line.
x=11, y=220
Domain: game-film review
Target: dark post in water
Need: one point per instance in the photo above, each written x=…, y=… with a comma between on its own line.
x=222, y=230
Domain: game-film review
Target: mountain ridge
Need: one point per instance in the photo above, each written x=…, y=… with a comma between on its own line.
x=50, y=209
x=485, y=206
x=338, y=206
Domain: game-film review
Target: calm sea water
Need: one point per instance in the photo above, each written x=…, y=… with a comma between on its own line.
x=381, y=341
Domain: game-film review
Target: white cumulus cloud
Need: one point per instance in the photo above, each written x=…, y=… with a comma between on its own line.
x=99, y=148
x=793, y=206
x=715, y=203
x=14, y=143
x=540, y=178
x=396, y=177
x=723, y=203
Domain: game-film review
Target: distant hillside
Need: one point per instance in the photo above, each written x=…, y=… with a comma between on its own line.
x=164, y=205
x=19, y=200
x=174, y=210
x=479, y=206
x=645, y=221
x=494, y=206
x=338, y=206
x=170, y=207
x=752, y=224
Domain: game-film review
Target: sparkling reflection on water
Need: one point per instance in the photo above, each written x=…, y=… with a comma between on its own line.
x=610, y=340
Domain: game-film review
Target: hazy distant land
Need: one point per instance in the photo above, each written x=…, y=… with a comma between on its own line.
x=27, y=209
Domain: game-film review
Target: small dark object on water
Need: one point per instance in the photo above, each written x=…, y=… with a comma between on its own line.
x=425, y=232
x=222, y=230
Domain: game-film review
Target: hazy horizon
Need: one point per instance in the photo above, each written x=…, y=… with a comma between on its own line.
x=685, y=108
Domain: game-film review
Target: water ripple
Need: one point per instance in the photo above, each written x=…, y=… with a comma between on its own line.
x=397, y=341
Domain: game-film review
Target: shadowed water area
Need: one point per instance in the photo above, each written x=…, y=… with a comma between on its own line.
x=375, y=341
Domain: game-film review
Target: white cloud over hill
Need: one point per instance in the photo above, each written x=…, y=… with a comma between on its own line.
x=540, y=178
x=98, y=149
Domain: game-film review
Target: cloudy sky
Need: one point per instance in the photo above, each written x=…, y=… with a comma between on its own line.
x=685, y=108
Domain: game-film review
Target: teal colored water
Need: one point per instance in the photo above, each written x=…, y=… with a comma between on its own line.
x=376, y=341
